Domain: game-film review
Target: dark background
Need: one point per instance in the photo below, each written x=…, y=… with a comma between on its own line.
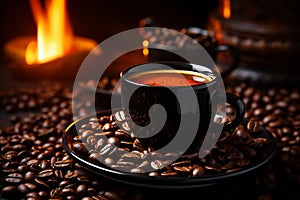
x=98, y=19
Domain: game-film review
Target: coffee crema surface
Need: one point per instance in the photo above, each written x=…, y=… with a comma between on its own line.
x=170, y=78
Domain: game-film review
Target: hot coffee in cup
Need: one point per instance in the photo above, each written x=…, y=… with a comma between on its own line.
x=170, y=78
x=174, y=100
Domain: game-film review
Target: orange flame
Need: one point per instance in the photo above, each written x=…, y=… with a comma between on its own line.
x=54, y=32
x=226, y=9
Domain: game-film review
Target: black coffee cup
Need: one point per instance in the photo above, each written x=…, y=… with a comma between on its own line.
x=166, y=97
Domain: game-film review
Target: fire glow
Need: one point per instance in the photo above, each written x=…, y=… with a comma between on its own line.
x=226, y=10
x=54, y=50
x=54, y=32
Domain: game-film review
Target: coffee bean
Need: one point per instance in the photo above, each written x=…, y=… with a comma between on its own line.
x=198, y=171
x=157, y=164
x=87, y=133
x=9, y=192
x=243, y=162
x=113, y=140
x=26, y=188
x=184, y=169
x=91, y=140
x=71, y=175
x=109, y=161
x=45, y=173
x=29, y=176
x=83, y=179
x=68, y=191
x=169, y=173
x=33, y=195
x=62, y=164
x=41, y=183
x=10, y=165
x=87, y=198
x=95, y=156
x=14, y=178
x=81, y=189
x=106, y=149
x=80, y=147
x=253, y=126
x=54, y=193
x=23, y=168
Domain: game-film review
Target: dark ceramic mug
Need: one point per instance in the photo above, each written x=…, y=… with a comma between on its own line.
x=165, y=97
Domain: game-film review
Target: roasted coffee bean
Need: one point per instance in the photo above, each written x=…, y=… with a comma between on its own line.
x=14, y=178
x=33, y=196
x=157, y=164
x=91, y=191
x=91, y=140
x=43, y=156
x=29, y=176
x=100, y=143
x=169, y=173
x=109, y=161
x=10, y=192
x=26, y=188
x=243, y=162
x=24, y=153
x=41, y=183
x=137, y=170
x=80, y=147
x=113, y=140
x=253, y=126
x=87, y=133
x=81, y=189
x=198, y=171
x=58, y=174
x=56, y=193
x=63, y=164
x=95, y=156
x=43, y=194
x=184, y=169
x=83, y=179
x=106, y=149
x=10, y=165
x=52, y=161
x=154, y=174
x=67, y=191
x=45, y=173
x=71, y=175
x=45, y=164
x=23, y=168
x=64, y=183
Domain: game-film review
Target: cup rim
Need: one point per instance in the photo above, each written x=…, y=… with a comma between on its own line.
x=171, y=63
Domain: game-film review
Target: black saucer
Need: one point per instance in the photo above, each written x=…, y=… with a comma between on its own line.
x=160, y=181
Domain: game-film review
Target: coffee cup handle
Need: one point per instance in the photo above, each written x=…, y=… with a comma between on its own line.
x=235, y=54
x=239, y=107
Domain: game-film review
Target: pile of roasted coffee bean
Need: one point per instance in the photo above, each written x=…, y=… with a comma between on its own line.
x=178, y=38
x=111, y=142
x=104, y=83
x=278, y=110
x=33, y=163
